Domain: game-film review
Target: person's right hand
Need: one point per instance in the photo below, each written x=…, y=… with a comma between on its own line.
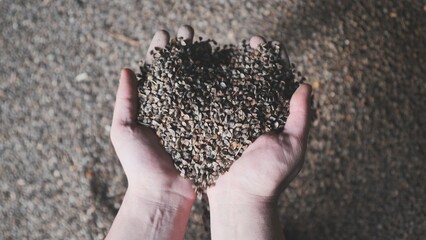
x=250, y=189
x=271, y=162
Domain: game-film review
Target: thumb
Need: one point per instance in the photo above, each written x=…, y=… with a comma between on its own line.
x=298, y=121
x=126, y=103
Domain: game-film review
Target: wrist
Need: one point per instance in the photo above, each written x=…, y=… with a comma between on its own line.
x=236, y=216
x=236, y=197
x=235, y=204
x=164, y=198
x=160, y=216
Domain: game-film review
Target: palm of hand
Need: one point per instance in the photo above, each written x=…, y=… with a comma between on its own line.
x=269, y=164
x=146, y=163
x=144, y=160
x=273, y=160
x=265, y=168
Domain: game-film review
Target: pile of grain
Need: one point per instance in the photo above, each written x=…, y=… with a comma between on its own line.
x=207, y=103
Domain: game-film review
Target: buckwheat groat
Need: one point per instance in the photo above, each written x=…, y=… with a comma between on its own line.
x=207, y=103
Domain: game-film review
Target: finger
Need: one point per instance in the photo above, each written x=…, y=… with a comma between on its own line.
x=126, y=103
x=160, y=40
x=255, y=41
x=186, y=32
x=298, y=121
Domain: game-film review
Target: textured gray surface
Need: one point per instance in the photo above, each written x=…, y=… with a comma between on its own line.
x=59, y=64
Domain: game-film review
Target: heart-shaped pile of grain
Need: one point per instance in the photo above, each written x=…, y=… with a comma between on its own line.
x=208, y=103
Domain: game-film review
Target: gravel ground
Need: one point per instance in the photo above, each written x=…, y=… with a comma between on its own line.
x=59, y=65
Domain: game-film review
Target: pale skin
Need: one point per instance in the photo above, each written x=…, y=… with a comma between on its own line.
x=243, y=202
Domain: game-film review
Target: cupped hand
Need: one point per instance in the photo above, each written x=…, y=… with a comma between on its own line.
x=273, y=160
x=148, y=167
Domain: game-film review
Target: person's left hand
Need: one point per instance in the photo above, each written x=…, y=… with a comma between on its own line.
x=148, y=167
x=158, y=200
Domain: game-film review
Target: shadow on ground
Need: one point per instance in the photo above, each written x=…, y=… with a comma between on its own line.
x=365, y=158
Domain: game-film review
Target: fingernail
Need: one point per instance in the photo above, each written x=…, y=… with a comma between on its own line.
x=122, y=71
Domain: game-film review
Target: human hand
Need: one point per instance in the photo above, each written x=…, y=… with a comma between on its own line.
x=158, y=200
x=148, y=167
x=246, y=196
